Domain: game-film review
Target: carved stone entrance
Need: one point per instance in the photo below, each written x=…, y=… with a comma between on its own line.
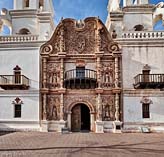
x=80, y=119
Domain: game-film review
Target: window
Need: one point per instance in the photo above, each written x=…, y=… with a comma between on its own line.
x=145, y=110
x=139, y=28
x=17, y=111
x=26, y=3
x=80, y=72
x=24, y=31
x=41, y=2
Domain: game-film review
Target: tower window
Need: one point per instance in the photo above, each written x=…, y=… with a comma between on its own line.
x=17, y=111
x=41, y=3
x=24, y=31
x=26, y=3
x=145, y=110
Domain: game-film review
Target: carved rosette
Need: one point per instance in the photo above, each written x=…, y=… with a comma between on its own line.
x=53, y=107
x=107, y=75
x=108, y=108
x=53, y=75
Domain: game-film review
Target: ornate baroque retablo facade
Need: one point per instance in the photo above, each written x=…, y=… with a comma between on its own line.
x=80, y=75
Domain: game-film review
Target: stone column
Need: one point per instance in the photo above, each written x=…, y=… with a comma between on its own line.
x=116, y=73
x=61, y=72
x=44, y=81
x=69, y=120
x=117, y=107
x=61, y=107
x=99, y=108
x=98, y=72
x=92, y=121
x=44, y=112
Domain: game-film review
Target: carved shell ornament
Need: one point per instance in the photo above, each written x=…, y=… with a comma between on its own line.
x=47, y=49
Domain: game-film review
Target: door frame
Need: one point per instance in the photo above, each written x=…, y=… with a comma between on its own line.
x=92, y=115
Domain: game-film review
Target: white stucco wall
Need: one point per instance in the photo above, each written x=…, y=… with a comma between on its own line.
x=26, y=58
x=135, y=57
x=31, y=24
x=30, y=106
x=133, y=110
x=132, y=19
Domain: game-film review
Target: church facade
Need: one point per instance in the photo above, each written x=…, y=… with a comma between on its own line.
x=82, y=75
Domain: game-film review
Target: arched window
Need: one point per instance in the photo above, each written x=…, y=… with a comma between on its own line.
x=41, y=3
x=139, y=27
x=24, y=31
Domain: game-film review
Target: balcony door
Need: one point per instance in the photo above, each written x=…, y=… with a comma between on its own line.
x=17, y=75
x=80, y=72
x=146, y=75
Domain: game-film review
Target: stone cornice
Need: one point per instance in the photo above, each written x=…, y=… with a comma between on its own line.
x=18, y=45
x=22, y=93
x=140, y=42
x=139, y=9
x=143, y=92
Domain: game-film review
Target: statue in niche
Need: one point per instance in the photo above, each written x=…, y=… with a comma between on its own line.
x=107, y=75
x=54, y=75
x=114, y=5
x=53, y=109
x=108, y=112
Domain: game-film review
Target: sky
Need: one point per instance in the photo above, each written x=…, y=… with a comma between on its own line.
x=79, y=9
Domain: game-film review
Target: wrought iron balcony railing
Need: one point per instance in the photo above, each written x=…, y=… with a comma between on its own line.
x=149, y=81
x=14, y=82
x=82, y=79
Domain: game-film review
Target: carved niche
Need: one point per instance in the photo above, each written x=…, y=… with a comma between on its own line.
x=53, y=108
x=53, y=75
x=108, y=108
x=107, y=75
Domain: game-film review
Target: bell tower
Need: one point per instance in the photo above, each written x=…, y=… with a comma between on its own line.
x=134, y=16
x=33, y=17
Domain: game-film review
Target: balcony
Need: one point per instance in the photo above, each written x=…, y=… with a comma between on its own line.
x=18, y=38
x=143, y=35
x=143, y=81
x=80, y=79
x=14, y=82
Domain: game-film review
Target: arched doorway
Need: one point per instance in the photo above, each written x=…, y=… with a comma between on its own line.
x=80, y=118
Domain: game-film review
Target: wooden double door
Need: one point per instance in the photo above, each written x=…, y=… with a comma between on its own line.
x=80, y=118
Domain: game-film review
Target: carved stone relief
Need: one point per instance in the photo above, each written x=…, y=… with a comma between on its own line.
x=53, y=108
x=53, y=75
x=70, y=99
x=80, y=41
x=107, y=75
x=108, y=108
